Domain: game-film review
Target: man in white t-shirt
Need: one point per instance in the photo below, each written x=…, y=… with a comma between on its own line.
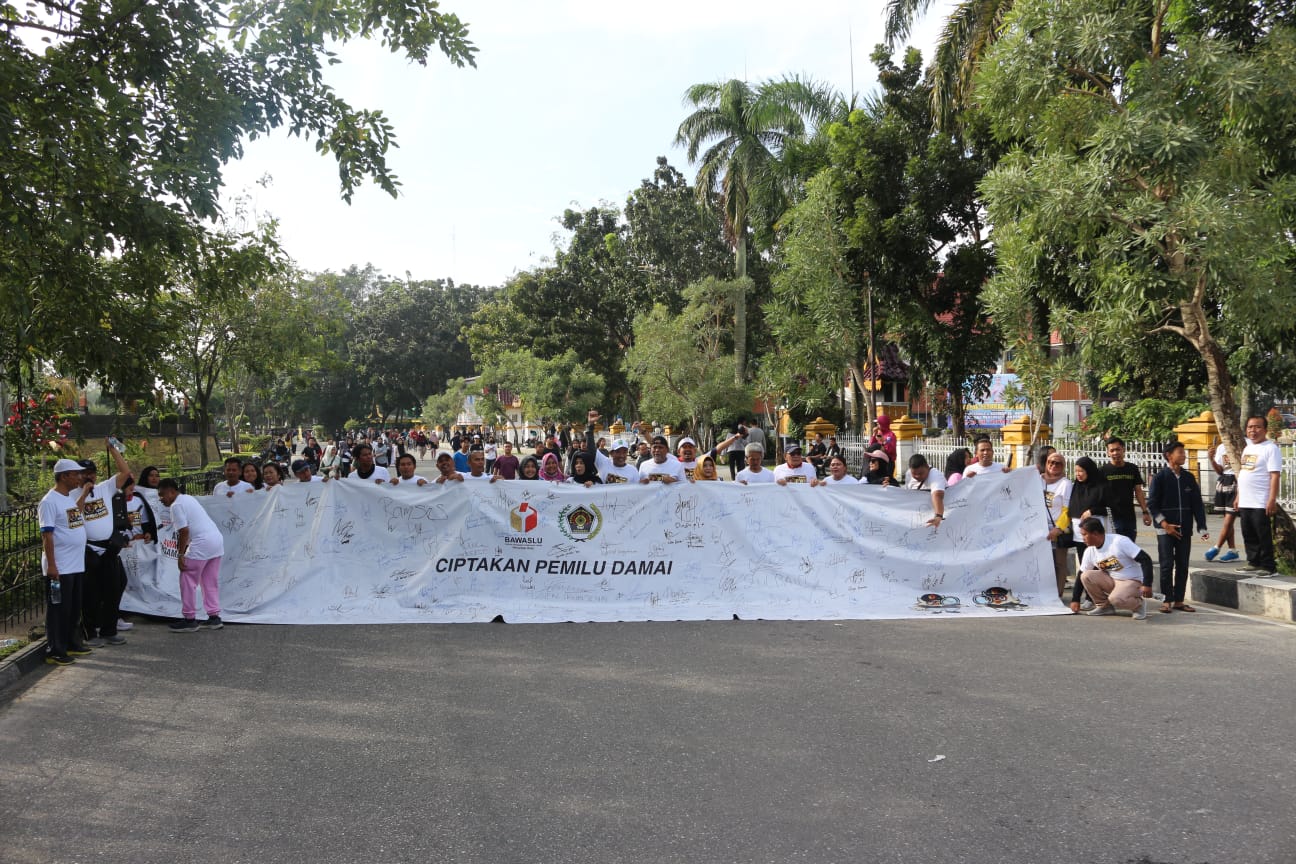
x=1115, y=571
x=233, y=482
x=661, y=467
x=795, y=469
x=687, y=455
x=1257, y=497
x=301, y=469
x=105, y=578
x=984, y=463
x=199, y=547
x=364, y=469
x=755, y=472
x=923, y=477
x=477, y=467
x=63, y=551
x=615, y=467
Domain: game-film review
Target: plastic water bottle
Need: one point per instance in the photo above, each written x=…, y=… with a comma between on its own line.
x=56, y=592
x=117, y=445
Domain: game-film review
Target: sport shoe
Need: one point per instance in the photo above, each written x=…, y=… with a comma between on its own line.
x=1230, y=555
x=116, y=639
x=1086, y=605
x=1211, y=553
x=212, y=623
x=59, y=661
x=123, y=625
x=184, y=625
x=1261, y=574
x=1249, y=568
x=1141, y=612
x=80, y=651
x=96, y=642
x=1102, y=610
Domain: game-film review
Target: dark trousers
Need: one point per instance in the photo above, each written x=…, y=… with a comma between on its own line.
x=737, y=461
x=1172, y=555
x=1125, y=527
x=112, y=585
x=62, y=620
x=1257, y=535
x=91, y=594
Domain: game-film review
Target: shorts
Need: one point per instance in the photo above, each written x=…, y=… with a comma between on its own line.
x=1224, y=499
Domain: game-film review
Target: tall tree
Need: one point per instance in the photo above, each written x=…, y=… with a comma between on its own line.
x=912, y=222
x=970, y=29
x=117, y=118
x=1157, y=159
x=737, y=134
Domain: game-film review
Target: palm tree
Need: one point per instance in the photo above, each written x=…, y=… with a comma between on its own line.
x=971, y=28
x=746, y=131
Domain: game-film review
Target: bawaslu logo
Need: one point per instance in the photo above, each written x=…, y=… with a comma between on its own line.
x=524, y=519
x=580, y=522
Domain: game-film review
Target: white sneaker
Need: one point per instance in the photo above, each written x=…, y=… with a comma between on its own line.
x=124, y=625
x=1086, y=605
x=1102, y=610
x=1141, y=612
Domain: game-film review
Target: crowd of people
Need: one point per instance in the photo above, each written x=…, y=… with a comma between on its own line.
x=85, y=523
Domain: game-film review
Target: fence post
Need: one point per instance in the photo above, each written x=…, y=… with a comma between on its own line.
x=908, y=432
x=1017, y=437
x=1198, y=434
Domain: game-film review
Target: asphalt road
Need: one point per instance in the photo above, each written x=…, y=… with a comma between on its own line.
x=1066, y=739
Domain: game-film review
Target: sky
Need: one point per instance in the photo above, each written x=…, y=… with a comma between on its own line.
x=570, y=105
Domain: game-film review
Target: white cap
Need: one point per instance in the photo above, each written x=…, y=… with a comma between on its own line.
x=618, y=444
x=62, y=466
x=684, y=441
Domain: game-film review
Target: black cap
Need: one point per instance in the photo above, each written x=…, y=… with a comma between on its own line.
x=88, y=465
x=793, y=448
x=299, y=465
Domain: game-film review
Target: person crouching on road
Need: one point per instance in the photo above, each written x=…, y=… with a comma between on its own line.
x=1108, y=571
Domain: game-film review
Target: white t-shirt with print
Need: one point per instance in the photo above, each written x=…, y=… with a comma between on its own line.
x=1057, y=495
x=1115, y=558
x=379, y=473
x=1258, y=461
x=223, y=488
x=205, y=540
x=97, y=511
x=59, y=514
x=656, y=471
x=846, y=480
x=803, y=473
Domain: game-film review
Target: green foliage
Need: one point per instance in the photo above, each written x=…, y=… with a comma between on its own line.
x=118, y=119
x=559, y=390
x=1152, y=190
x=676, y=360
x=1144, y=420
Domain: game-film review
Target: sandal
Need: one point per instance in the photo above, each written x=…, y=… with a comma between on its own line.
x=1167, y=608
x=1184, y=607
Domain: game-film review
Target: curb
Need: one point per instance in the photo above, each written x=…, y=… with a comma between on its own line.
x=1273, y=598
x=18, y=666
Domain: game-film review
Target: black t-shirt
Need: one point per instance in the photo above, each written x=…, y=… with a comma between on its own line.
x=1120, y=488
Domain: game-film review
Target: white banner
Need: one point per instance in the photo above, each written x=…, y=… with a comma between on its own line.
x=346, y=553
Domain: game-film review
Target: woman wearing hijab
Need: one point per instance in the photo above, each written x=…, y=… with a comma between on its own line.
x=551, y=469
x=529, y=469
x=706, y=468
x=583, y=472
x=884, y=438
x=879, y=470
x=1088, y=498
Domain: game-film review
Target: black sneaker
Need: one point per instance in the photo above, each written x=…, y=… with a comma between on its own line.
x=115, y=640
x=184, y=625
x=54, y=660
x=212, y=623
x=80, y=651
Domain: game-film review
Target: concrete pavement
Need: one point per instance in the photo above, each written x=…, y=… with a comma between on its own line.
x=1068, y=739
